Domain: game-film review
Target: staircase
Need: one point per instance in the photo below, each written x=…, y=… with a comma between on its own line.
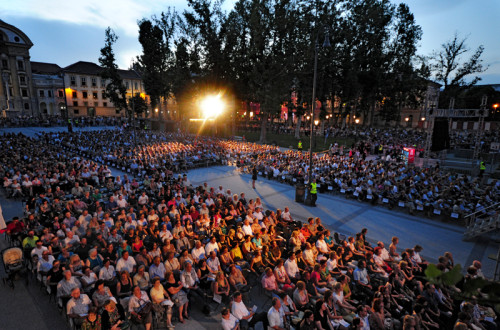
x=482, y=222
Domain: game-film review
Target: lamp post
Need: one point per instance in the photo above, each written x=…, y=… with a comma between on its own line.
x=326, y=44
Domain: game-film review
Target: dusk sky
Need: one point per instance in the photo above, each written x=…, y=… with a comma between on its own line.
x=64, y=32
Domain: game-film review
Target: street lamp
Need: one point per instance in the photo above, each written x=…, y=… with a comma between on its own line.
x=326, y=44
x=356, y=120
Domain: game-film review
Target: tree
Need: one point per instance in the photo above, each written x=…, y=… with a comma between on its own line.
x=406, y=79
x=138, y=104
x=453, y=71
x=153, y=61
x=115, y=89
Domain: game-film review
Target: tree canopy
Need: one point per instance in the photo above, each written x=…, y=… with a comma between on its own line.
x=262, y=51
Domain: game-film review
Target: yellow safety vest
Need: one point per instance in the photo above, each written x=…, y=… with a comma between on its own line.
x=314, y=188
x=482, y=166
x=300, y=145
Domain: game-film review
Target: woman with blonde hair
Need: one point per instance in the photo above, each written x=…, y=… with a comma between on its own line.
x=221, y=286
x=161, y=300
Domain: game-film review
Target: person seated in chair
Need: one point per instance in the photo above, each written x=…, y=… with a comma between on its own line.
x=77, y=307
x=137, y=302
x=246, y=316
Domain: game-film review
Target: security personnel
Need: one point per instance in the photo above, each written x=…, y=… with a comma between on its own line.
x=380, y=149
x=482, y=168
x=300, y=145
x=314, y=192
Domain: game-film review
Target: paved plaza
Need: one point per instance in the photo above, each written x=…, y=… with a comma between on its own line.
x=27, y=306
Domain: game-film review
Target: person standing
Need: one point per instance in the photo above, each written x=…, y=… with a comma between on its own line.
x=313, y=190
x=482, y=168
x=299, y=146
x=254, y=176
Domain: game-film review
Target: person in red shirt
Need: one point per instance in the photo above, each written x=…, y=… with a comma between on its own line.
x=15, y=228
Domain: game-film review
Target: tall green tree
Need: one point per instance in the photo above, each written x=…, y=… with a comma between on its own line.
x=153, y=61
x=115, y=89
x=406, y=79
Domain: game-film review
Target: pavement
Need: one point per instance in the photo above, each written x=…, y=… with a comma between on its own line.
x=27, y=306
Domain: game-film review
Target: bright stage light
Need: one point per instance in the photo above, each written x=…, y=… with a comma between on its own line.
x=212, y=106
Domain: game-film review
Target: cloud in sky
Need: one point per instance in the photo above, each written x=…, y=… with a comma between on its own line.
x=121, y=15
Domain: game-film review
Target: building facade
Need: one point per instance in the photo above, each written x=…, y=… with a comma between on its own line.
x=49, y=89
x=17, y=96
x=85, y=90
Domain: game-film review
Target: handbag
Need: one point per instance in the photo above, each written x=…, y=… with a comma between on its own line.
x=143, y=311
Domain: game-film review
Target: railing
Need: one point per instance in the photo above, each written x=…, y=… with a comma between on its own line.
x=485, y=209
x=476, y=227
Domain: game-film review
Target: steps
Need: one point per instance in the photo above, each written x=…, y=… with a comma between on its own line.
x=477, y=226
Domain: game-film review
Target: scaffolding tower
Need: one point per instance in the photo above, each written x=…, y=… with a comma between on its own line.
x=432, y=114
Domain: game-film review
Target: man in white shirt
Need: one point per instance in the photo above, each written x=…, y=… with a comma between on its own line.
x=332, y=263
x=362, y=279
x=213, y=263
x=77, y=307
x=143, y=199
x=275, y=316
x=384, y=253
x=229, y=322
x=122, y=203
x=291, y=267
x=107, y=272
x=38, y=249
x=198, y=252
x=45, y=262
x=321, y=245
x=247, y=318
x=247, y=228
x=126, y=263
x=286, y=215
x=258, y=214
x=212, y=245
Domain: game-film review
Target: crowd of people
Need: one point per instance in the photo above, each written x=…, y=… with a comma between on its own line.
x=55, y=120
x=384, y=178
x=117, y=251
